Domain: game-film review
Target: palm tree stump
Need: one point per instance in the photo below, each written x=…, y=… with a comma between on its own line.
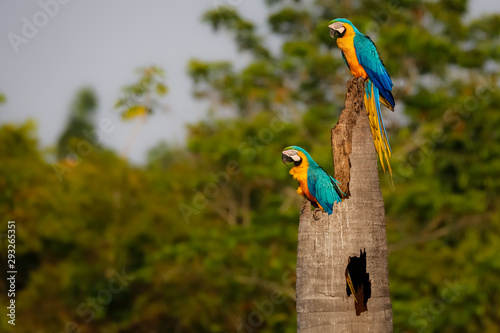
x=353, y=235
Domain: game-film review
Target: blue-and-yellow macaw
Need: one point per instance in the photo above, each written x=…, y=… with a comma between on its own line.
x=314, y=183
x=363, y=60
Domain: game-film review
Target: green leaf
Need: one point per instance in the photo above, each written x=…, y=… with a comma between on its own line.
x=133, y=112
x=119, y=103
x=161, y=89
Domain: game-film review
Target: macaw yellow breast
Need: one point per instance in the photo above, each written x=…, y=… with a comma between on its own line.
x=300, y=173
x=346, y=44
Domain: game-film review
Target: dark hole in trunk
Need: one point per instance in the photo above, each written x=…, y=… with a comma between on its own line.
x=358, y=282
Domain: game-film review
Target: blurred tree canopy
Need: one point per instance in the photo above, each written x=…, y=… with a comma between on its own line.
x=80, y=124
x=206, y=233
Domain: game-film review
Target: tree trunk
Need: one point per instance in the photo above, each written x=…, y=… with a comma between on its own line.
x=327, y=244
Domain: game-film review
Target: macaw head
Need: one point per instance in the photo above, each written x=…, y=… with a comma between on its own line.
x=295, y=156
x=342, y=27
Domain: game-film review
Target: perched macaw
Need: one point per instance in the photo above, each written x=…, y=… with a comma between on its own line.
x=362, y=58
x=314, y=183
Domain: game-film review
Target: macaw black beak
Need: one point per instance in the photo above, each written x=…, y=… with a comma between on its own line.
x=336, y=34
x=287, y=160
x=337, y=30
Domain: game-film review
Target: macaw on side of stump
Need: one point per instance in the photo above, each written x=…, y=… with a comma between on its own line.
x=362, y=58
x=315, y=184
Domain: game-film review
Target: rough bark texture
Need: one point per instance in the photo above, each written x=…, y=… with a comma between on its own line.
x=342, y=133
x=358, y=223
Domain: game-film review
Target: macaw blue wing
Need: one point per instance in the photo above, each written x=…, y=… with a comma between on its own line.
x=323, y=187
x=338, y=192
x=369, y=58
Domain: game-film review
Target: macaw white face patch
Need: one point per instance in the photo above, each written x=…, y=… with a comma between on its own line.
x=293, y=154
x=338, y=27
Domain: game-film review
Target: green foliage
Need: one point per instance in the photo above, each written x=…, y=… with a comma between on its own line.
x=448, y=187
x=140, y=98
x=244, y=31
x=80, y=124
x=289, y=21
x=203, y=273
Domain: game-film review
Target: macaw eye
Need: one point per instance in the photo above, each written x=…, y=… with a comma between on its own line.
x=291, y=156
x=337, y=29
x=296, y=160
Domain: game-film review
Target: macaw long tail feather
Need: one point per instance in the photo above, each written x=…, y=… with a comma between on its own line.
x=349, y=283
x=372, y=104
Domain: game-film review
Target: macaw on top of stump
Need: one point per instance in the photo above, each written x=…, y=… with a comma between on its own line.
x=362, y=58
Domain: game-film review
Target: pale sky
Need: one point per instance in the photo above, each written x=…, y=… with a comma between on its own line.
x=99, y=44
